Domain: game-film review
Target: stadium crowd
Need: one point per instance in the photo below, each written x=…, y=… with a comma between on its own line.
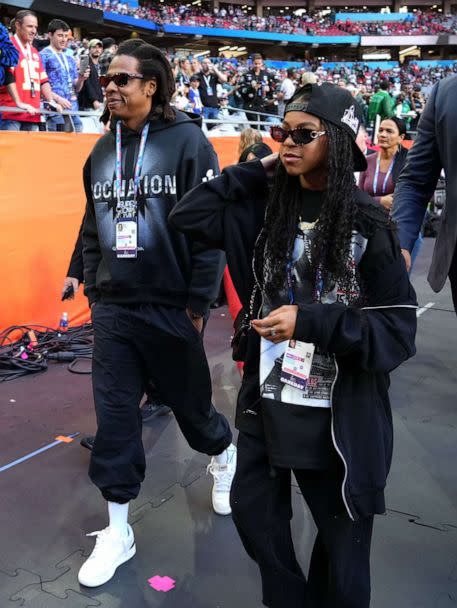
x=313, y=24
x=220, y=89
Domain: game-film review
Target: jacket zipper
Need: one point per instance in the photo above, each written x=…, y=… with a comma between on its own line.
x=343, y=486
x=249, y=410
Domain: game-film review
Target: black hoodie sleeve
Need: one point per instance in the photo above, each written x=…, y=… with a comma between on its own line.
x=207, y=266
x=215, y=208
x=76, y=267
x=379, y=336
x=91, y=247
x=227, y=213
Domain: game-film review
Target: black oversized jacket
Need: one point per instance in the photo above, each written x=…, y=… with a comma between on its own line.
x=170, y=269
x=367, y=343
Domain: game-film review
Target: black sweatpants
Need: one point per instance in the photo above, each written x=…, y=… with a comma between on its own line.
x=339, y=574
x=133, y=345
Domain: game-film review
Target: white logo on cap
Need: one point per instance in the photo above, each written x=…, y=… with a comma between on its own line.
x=350, y=119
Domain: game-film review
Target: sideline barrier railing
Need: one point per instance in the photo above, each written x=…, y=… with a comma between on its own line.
x=95, y=115
x=240, y=120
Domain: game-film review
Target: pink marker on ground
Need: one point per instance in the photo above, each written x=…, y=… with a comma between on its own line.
x=162, y=583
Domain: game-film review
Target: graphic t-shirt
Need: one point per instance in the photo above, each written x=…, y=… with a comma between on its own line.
x=322, y=374
x=298, y=421
x=62, y=72
x=29, y=75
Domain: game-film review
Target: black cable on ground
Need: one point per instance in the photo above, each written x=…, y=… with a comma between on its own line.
x=73, y=365
x=37, y=345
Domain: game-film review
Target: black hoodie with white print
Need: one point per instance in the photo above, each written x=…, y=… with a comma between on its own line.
x=170, y=269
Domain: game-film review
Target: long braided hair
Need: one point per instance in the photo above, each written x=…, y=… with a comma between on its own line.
x=332, y=238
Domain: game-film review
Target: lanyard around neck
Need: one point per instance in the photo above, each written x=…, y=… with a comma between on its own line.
x=62, y=59
x=26, y=50
x=138, y=165
x=386, y=179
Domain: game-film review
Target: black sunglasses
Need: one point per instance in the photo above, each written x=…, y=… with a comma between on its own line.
x=300, y=136
x=120, y=80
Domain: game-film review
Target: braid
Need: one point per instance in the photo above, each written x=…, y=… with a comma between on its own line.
x=332, y=238
x=280, y=225
x=331, y=243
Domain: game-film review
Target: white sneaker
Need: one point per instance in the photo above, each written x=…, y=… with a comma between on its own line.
x=110, y=551
x=223, y=474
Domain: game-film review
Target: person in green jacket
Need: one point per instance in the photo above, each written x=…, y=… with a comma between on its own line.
x=381, y=103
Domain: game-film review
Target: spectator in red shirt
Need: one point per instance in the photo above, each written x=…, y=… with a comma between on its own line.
x=30, y=79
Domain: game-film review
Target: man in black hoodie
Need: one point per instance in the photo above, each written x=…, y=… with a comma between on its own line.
x=149, y=288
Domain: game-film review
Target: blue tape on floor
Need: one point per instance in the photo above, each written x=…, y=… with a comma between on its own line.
x=35, y=453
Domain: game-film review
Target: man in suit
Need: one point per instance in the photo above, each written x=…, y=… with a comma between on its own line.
x=435, y=149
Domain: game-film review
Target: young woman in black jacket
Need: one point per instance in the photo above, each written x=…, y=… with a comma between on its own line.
x=318, y=269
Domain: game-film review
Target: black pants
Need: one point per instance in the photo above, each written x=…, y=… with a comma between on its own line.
x=133, y=345
x=339, y=574
x=453, y=279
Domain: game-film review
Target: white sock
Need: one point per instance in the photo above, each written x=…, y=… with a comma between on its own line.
x=226, y=455
x=118, y=515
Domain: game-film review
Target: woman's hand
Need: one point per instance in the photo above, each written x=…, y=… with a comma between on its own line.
x=387, y=201
x=269, y=164
x=279, y=325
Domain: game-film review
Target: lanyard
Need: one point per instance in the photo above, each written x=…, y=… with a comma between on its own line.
x=376, y=175
x=207, y=80
x=139, y=162
x=27, y=52
x=62, y=59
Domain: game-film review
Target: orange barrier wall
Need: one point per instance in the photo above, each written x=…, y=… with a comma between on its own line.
x=41, y=206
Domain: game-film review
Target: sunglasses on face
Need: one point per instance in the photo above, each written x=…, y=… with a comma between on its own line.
x=120, y=80
x=300, y=136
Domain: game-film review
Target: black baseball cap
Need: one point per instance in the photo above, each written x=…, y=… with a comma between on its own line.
x=333, y=104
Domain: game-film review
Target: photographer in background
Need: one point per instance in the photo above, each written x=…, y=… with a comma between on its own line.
x=91, y=95
x=256, y=87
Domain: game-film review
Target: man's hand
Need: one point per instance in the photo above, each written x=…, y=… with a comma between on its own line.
x=387, y=201
x=279, y=325
x=27, y=107
x=407, y=257
x=96, y=105
x=64, y=103
x=66, y=284
x=197, y=323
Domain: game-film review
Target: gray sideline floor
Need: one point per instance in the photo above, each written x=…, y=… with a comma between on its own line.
x=47, y=503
